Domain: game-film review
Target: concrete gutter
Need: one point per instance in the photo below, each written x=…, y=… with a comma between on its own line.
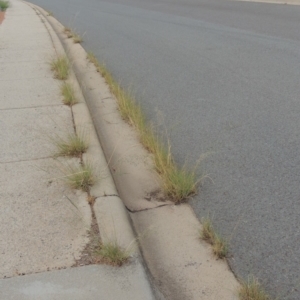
x=182, y=266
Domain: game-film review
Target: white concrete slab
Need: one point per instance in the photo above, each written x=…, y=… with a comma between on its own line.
x=84, y=283
x=10, y=55
x=40, y=228
x=22, y=94
x=26, y=133
x=23, y=70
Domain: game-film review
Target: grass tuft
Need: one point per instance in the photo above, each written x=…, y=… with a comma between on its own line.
x=50, y=13
x=252, y=290
x=72, y=34
x=60, y=66
x=178, y=182
x=68, y=93
x=112, y=254
x=80, y=177
x=208, y=234
x=68, y=32
x=4, y=5
x=73, y=145
x=77, y=39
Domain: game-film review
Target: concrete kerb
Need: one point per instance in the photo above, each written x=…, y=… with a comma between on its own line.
x=111, y=214
x=121, y=146
x=183, y=265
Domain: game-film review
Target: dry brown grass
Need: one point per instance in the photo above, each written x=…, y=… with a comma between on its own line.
x=60, y=66
x=68, y=94
x=77, y=39
x=72, y=145
x=80, y=177
x=252, y=290
x=208, y=234
x=68, y=32
x=111, y=253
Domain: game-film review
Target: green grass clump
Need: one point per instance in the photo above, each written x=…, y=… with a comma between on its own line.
x=81, y=177
x=178, y=182
x=68, y=93
x=60, y=66
x=73, y=145
x=112, y=254
x=208, y=233
x=252, y=290
x=4, y=5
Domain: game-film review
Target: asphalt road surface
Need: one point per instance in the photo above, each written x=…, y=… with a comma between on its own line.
x=224, y=79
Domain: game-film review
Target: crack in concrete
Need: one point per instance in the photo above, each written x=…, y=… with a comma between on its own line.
x=145, y=209
x=25, y=160
x=20, y=79
x=106, y=98
x=29, y=107
x=104, y=196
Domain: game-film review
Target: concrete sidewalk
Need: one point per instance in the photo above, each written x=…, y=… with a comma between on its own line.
x=44, y=223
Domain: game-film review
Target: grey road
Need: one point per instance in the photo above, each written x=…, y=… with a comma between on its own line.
x=224, y=79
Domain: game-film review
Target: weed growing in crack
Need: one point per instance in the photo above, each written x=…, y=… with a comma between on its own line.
x=77, y=39
x=72, y=145
x=111, y=253
x=68, y=32
x=252, y=290
x=60, y=66
x=80, y=177
x=208, y=234
x=68, y=94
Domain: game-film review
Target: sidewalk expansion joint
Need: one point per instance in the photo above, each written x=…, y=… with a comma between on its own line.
x=29, y=107
x=25, y=160
x=20, y=79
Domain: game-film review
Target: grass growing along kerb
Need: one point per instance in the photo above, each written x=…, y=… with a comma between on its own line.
x=72, y=145
x=68, y=32
x=80, y=177
x=208, y=234
x=60, y=66
x=4, y=5
x=68, y=94
x=178, y=183
x=111, y=253
x=252, y=290
x=77, y=39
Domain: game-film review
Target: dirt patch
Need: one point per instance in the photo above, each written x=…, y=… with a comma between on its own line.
x=88, y=256
x=2, y=14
